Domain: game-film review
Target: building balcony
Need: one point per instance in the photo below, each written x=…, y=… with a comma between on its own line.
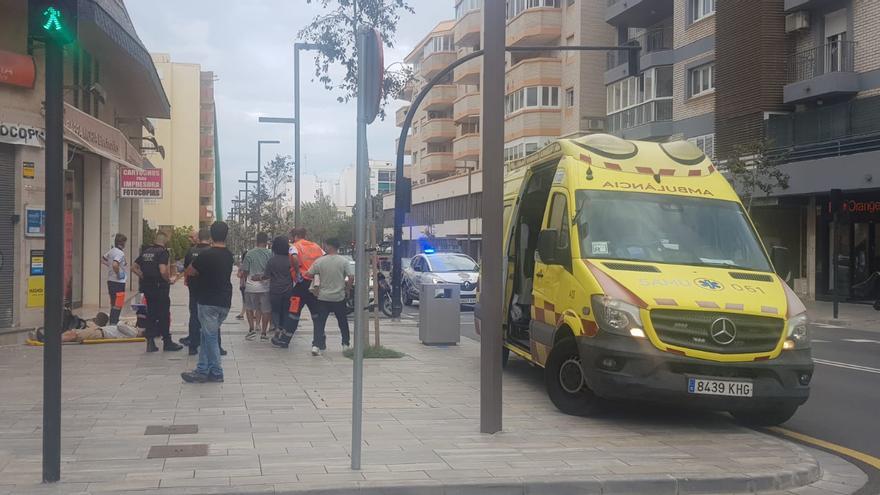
x=651, y=119
x=400, y=115
x=438, y=130
x=657, y=50
x=468, y=72
x=821, y=72
x=830, y=130
x=407, y=146
x=535, y=26
x=206, y=189
x=533, y=122
x=441, y=96
x=637, y=13
x=206, y=213
x=437, y=164
x=467, y=107
x=206, y=165
x=467, y=148
x=534, y=72
x=467, y=29
x=435, y=62
x=792, y=5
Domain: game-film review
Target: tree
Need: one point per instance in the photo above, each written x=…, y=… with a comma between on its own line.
x=179, y=242
x=335, y=35
x=754, y=168
x=321, y=218
x=276, y=217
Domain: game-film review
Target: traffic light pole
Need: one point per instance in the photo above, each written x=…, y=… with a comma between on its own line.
x=402, y=188
x=53, y=310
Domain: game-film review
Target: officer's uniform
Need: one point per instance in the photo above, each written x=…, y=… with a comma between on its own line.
x=156, y=290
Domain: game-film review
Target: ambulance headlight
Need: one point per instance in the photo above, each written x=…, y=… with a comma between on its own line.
x=616, y=316
x=797, y=334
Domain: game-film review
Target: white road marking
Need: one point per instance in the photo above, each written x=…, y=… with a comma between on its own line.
x=825, y=325
x=848, y=366
x=819, y=341
x=862, y=341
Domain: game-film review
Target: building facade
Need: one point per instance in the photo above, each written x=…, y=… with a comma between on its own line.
x=548, y=94
x=111, y=87
x=188, y=141
x=344, y=192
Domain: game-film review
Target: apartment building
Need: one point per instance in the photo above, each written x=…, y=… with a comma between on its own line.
x=188, y=141
x=548, y=94
x=674, y=95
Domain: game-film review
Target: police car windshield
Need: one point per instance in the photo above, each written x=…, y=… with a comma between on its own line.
x=451, y=263
x=667, y=229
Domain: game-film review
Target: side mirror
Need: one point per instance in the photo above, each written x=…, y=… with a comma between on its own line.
x=779, y=257
x=548, y=240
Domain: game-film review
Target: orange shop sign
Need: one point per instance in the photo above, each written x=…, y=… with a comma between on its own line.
x=17, y=70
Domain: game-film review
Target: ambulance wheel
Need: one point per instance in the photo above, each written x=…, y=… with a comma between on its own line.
x=770, y=416
x=566, y=382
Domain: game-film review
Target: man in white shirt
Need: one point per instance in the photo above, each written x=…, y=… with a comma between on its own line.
x=117, y=276
x=256, y=289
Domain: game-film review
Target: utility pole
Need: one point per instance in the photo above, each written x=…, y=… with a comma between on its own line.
x=54, y=23
x=492, y=135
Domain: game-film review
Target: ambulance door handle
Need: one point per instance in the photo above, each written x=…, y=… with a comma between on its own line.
x=539, y=274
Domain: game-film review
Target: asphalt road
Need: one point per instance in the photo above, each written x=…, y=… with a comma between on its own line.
x=844, y=405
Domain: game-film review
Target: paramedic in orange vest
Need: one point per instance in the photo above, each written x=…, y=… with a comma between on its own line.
x=303, y=253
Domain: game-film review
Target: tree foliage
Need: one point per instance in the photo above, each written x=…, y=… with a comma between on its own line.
x=321, y=218
x=754, y=169
x=334, y=33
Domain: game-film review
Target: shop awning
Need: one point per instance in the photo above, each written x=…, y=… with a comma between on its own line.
x=97, y=137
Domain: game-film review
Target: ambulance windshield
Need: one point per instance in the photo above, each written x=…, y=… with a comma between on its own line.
x=667, y=229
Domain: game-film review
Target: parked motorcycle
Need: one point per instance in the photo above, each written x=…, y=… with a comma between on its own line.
x=384, y=297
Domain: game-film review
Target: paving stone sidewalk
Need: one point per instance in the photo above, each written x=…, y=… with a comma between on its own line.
x=281, y=424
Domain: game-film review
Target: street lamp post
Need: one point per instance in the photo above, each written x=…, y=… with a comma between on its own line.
x=260, y=178
x=296, y=157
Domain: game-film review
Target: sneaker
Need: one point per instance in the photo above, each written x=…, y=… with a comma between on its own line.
x=171, y=346
x=184, y=341
x=280, y=343
x=215, y=378
x=239, y=317
x=316, y=351
x=193, y=351
x=151, y=345
x=223, y=352
x=345, y=347
x=194, y=377
x=251, y=335
x=264, y=337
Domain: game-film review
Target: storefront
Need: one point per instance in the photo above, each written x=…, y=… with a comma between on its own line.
x=857, y=234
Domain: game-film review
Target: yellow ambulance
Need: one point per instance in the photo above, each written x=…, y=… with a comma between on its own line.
x=634, y=272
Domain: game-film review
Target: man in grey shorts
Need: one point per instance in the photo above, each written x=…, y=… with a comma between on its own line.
x=256, y=290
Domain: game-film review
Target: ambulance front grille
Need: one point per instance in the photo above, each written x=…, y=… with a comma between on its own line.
x=692, y=330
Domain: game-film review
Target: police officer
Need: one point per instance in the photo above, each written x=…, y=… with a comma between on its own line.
x=155, y=274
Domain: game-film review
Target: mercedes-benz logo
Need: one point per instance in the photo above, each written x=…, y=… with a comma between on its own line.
x=723, y=331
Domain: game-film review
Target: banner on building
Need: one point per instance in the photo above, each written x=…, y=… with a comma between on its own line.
x=140, y=184
x=35, y=221
x=37, y=257
x=17, y=133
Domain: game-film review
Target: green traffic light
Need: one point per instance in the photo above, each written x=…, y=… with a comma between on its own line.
x=53, y=18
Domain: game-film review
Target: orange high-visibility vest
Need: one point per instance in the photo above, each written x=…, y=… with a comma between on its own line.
x=306, y=252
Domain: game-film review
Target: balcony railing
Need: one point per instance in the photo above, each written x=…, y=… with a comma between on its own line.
x=832, y=130
x=837, y=56
x=646, y=113
x=655, y=40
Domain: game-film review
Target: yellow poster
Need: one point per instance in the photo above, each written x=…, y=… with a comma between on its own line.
x=36, y=292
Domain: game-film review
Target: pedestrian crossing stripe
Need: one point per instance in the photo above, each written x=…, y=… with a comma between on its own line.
x=862, y=341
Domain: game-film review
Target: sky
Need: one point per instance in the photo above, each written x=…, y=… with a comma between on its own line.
x=249, y=46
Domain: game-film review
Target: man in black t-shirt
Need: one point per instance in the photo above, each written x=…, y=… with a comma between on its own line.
x=201, y=242
x=213, y=268
x=155, y=275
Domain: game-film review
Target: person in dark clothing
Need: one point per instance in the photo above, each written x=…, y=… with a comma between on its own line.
x=201, y=243
x=153, y=269
x=280, y=285
x=303, y=253
x=213, y=268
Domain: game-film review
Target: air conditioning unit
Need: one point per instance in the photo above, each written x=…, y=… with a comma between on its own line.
x=797, y=21
x=594, y=124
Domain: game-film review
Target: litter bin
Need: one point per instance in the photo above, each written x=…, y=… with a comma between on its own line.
x=439, y=314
